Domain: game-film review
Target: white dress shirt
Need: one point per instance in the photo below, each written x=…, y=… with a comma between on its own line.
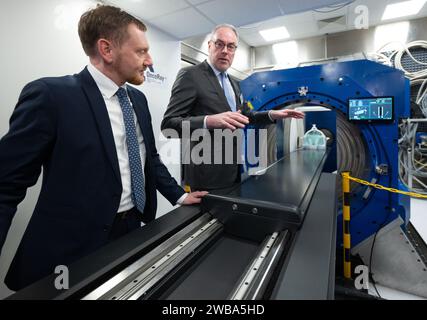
x=108, y=89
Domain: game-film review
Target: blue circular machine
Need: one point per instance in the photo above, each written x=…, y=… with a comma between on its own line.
x=333, y=85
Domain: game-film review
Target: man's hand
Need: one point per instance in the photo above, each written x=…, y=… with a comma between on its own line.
x=287, y=113
x=227, y=120
x=194, y=197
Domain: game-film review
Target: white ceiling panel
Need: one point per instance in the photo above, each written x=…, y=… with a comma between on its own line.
x=296, y=31
x=330, y=15
x=194, y=2
x=187, y=18
x=297, y=17
x=304, y=5
x=240, y=12
x=186, y=23
x=149, y=9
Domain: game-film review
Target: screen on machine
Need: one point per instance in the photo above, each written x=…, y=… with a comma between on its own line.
x=370, y=109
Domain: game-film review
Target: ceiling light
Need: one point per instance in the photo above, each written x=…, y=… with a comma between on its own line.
x=275, y=34
x=402, y=9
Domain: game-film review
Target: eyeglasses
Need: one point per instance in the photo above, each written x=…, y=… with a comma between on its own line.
x=220, y=46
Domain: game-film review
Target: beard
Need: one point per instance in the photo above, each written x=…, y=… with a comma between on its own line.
x=136, y=79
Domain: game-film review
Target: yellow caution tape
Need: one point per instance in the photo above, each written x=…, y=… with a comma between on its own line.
x=378, y=186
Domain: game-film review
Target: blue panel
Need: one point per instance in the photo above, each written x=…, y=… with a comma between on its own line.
x=332, y=85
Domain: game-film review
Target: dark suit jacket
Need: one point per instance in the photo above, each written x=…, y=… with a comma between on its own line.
x=195, y=94
x=62, y=125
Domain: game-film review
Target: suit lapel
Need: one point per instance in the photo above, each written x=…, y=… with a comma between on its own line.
x=99, y=109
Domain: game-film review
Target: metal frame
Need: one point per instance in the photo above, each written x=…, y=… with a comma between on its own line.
x=134, y=281
x=255, y=280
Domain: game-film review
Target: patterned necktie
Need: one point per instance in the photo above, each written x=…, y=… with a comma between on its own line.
x=228, y=91
x=136, y=172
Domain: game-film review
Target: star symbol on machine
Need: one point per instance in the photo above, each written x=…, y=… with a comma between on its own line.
x=302, y=91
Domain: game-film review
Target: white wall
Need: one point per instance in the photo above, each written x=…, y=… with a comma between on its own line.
x=166, y=54
x=39, y=38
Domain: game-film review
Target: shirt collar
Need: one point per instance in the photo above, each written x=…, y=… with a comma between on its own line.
x=107, y=86
x=215, y=70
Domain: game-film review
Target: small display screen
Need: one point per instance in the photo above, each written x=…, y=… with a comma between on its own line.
x=370, y=109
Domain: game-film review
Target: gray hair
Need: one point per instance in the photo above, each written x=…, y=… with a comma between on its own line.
x=225, y=25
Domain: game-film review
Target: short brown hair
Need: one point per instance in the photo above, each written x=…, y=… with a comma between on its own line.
x=106, y=22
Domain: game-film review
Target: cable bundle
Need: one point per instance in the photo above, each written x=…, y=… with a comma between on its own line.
x=412, y=157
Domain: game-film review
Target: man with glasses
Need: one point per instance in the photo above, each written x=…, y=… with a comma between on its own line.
x=206, y=97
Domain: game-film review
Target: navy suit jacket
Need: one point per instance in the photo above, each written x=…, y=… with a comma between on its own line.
x=62, y=125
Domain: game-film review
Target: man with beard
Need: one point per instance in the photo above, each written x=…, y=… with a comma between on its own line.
x=92, y=135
